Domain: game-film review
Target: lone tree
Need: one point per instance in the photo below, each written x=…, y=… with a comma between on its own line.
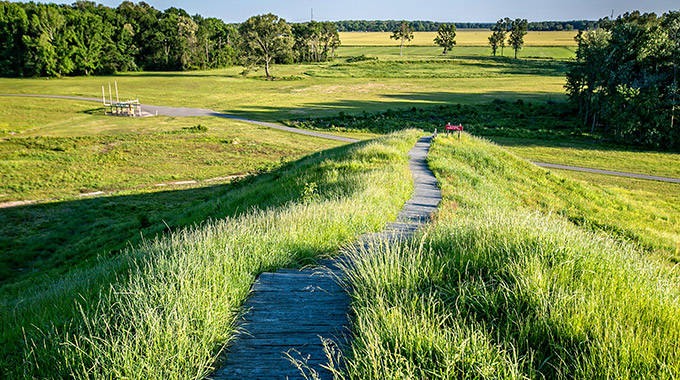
x=403, y=33
x=446, y=37
x=518, y=30
x=497, y=38
x=263, y=38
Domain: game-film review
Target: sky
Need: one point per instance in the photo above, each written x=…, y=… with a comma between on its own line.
x=432, y=10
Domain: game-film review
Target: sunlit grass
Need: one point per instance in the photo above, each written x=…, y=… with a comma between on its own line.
x=524, y=274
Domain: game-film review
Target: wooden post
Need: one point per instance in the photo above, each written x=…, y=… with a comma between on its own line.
x=104, y=100
x=110, y=98
x=117, y=100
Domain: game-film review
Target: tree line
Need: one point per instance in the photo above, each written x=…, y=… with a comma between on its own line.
x=625, y=79
x=86, y=38
x=433, y=26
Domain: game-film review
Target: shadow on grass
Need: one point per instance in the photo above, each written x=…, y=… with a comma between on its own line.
x=389, y=101
x=44, y=241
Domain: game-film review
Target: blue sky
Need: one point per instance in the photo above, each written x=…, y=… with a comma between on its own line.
x=434, y=10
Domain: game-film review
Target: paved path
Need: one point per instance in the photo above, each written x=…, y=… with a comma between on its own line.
x=610, y=172
x=185, y=112
x=291, y=310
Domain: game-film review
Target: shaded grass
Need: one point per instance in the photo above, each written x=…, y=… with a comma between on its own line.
x=519, y=119
x=505, y=285
x=165, y=308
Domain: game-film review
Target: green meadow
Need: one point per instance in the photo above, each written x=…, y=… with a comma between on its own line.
x=525, y=273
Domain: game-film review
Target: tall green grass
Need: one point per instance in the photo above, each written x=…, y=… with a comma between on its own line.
x=166, y=308
x=499, y=287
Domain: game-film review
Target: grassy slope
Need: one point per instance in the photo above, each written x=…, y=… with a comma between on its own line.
x=496, y=290
x=151, y=313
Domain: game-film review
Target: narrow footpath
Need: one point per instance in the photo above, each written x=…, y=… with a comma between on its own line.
x=290, y=311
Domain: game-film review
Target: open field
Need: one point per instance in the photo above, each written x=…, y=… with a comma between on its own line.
x=464, y=37
x=499, y=287
x=81, y=150
x=127, y=315
x=433, y=52
x=579, y=153
x=322, y=89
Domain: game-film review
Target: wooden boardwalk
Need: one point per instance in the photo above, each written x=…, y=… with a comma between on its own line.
x=291, y=311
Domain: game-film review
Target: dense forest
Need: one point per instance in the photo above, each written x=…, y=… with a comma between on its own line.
x=432, y=26
x=625, y=80
x=86, y=38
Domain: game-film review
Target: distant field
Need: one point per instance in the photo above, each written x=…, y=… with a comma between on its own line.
x=434, y=52
x=474, y=37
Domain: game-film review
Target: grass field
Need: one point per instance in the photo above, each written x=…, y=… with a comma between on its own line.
x=322, y=89
x=58, y=153
x=464, y=37
x=127, y=315
x=499, y=287
x=593, y=155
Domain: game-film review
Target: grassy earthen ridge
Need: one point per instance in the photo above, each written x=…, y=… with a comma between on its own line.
x=506, y=285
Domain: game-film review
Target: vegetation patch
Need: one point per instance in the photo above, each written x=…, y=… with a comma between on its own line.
x=497, y=118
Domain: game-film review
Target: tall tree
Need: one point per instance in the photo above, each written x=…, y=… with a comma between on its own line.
x=13, y=25
x=497, y=37
x=330, y=38
x=91, y=38
x=518, y=29
x=446, y=37
x=48, y=42
x=263, y=38
x=404, y=32
x=505, y=27
x=671, y=25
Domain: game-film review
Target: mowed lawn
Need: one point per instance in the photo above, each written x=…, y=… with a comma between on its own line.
x=82, y=151
x=320, y=89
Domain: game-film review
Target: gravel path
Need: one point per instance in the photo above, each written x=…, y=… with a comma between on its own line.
x=152, y=110
x=290, y=311
x=610, y=172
